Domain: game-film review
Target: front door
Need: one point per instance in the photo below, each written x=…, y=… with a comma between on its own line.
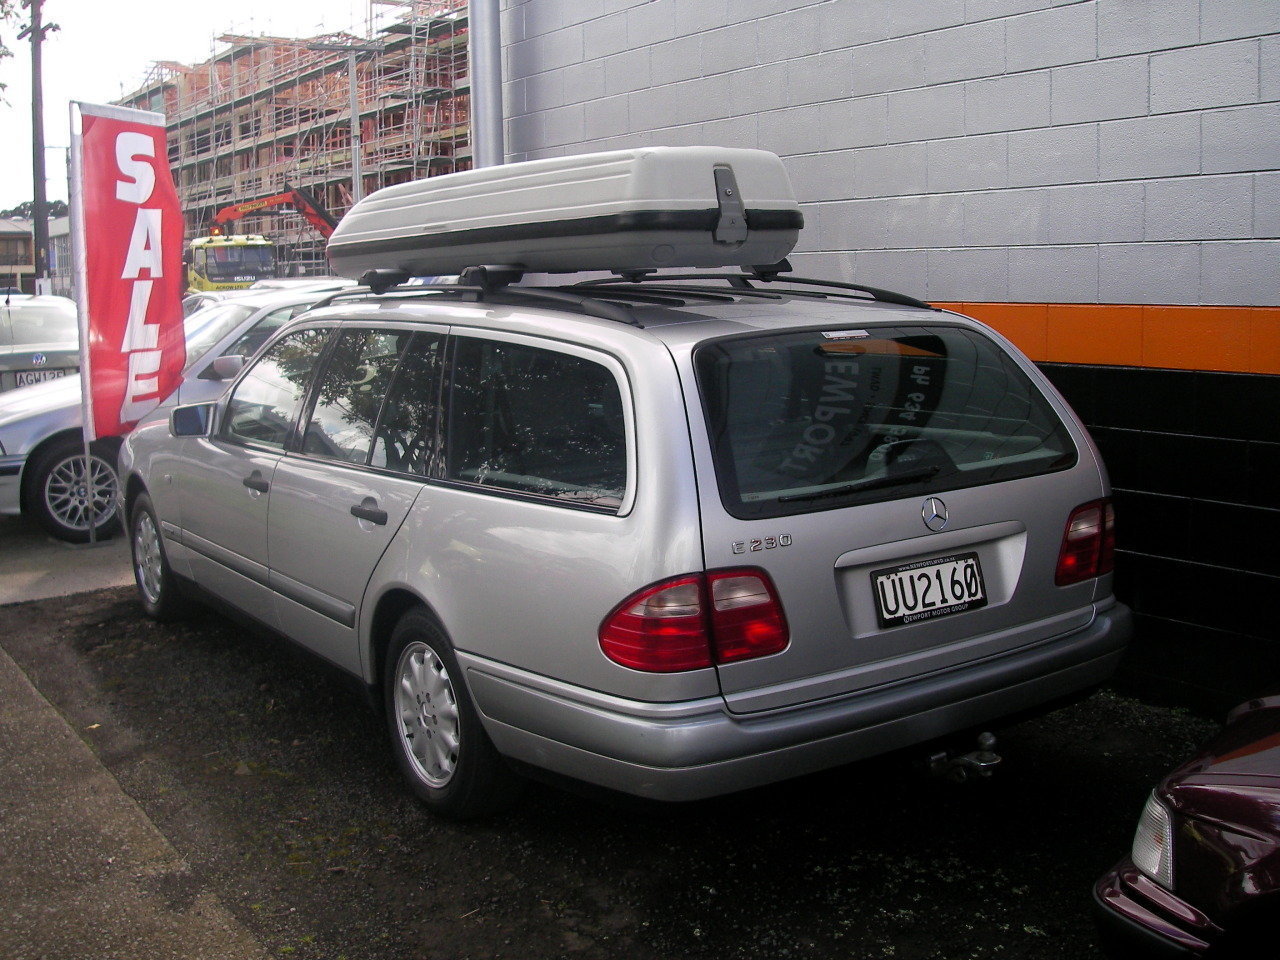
x=227, y=478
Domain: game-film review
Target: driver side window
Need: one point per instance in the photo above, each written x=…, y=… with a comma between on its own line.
x=265, y=402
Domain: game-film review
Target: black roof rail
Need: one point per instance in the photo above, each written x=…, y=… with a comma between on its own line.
x=768, y=273
x=774, y=272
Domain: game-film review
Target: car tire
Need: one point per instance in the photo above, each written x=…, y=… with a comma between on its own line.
x=58, y=498
x=159, y=591
x=440, y=745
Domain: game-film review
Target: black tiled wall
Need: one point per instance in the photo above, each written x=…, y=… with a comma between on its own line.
x=1194, y=459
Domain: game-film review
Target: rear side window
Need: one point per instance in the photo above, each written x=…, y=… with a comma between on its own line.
x=816, y=420
x=536, y=421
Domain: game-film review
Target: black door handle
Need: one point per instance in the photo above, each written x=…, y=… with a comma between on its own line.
x=372, y=514
x=255, y=482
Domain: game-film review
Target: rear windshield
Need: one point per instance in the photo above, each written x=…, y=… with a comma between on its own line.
x=32, y=321
x=822, y=419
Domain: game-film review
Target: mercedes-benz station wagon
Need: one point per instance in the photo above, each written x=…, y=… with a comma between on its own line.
x=673, y=533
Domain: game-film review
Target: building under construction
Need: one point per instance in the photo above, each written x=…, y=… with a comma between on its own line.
x=271, y=111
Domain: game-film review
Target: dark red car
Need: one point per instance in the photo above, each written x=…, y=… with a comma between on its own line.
x=1203, y=877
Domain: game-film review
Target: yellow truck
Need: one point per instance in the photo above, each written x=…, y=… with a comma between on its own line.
x=229, y=263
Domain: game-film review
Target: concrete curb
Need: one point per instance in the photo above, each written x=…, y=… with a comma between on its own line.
x=86, y=873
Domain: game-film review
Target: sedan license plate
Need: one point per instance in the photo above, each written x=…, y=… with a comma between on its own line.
x=24, y=378
x=928, y=588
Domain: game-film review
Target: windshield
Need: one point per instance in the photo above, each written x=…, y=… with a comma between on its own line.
x=227, y=263
x=32, y=321
x=206, y=327
x=823, y=419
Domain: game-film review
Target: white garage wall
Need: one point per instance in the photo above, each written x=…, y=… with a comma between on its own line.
x=1080, y=151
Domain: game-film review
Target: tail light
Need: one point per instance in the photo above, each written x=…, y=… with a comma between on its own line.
x=696, y=621
x=1089, y=543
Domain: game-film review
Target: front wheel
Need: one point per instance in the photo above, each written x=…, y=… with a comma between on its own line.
x=439, y=742
x=158, y=589
x=66, y=498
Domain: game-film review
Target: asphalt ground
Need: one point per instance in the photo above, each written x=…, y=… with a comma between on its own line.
x=201, y=789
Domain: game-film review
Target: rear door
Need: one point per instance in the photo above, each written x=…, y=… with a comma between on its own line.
x=338, y=499
x=225, y=481
x=906, y=487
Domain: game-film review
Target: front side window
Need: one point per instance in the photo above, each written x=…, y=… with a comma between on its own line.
x=265, y=402
x=536, y=421
x=816, y=420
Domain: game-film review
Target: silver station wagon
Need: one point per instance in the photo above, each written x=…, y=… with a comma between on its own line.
x=672, y=534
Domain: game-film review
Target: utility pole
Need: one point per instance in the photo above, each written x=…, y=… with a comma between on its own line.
x=37, y=30
x=485, y=46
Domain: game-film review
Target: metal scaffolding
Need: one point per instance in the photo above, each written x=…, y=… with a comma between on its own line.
x=267, y=111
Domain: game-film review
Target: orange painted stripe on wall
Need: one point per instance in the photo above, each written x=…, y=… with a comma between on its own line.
x=1229, y=339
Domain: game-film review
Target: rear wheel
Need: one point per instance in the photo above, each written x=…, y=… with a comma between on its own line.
x=158, y=589
x=66, y=498
x=436, y=734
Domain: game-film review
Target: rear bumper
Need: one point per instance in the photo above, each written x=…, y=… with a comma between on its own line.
x=1136, y=919
x=695, y=749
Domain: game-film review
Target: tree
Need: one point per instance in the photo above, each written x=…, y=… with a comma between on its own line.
x=26, y=209
x=6, y=17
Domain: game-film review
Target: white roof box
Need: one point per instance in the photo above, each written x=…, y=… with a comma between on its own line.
x=621, y=210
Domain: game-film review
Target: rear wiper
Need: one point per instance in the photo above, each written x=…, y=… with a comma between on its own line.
x=857, y=486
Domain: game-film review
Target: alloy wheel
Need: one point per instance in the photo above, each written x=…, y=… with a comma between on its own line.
x=148, y=562
x=427, y=708
x=79, y=499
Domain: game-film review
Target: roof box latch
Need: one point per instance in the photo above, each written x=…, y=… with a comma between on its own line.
x=731, y=227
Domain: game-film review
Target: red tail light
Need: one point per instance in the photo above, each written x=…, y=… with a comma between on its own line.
x=1089, y=543
x=694, y=621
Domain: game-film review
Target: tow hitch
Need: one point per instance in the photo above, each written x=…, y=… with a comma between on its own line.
x=958, y=769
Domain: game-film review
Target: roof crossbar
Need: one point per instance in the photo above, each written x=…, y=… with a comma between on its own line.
x=486, y=285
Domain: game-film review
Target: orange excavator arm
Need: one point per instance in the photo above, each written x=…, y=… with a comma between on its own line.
x=303, y=201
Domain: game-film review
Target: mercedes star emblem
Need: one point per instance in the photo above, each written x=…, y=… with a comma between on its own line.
x=934, y=513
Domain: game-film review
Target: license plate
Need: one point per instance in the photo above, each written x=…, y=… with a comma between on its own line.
x=24, y=378
x=928, y=589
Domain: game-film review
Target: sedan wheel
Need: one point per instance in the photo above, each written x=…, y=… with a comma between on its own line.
x=66, y=498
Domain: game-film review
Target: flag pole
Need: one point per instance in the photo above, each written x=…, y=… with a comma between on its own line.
x=75, y=192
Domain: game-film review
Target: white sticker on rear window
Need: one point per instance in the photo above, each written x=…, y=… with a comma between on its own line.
x=844, y=334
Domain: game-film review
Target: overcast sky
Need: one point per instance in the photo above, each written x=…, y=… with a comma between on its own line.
x=105, y=50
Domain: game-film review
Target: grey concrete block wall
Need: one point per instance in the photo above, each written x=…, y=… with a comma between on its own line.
x=1120, y=151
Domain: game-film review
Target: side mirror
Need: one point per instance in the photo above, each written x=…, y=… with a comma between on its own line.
x=192, y=421
x=226, y=367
